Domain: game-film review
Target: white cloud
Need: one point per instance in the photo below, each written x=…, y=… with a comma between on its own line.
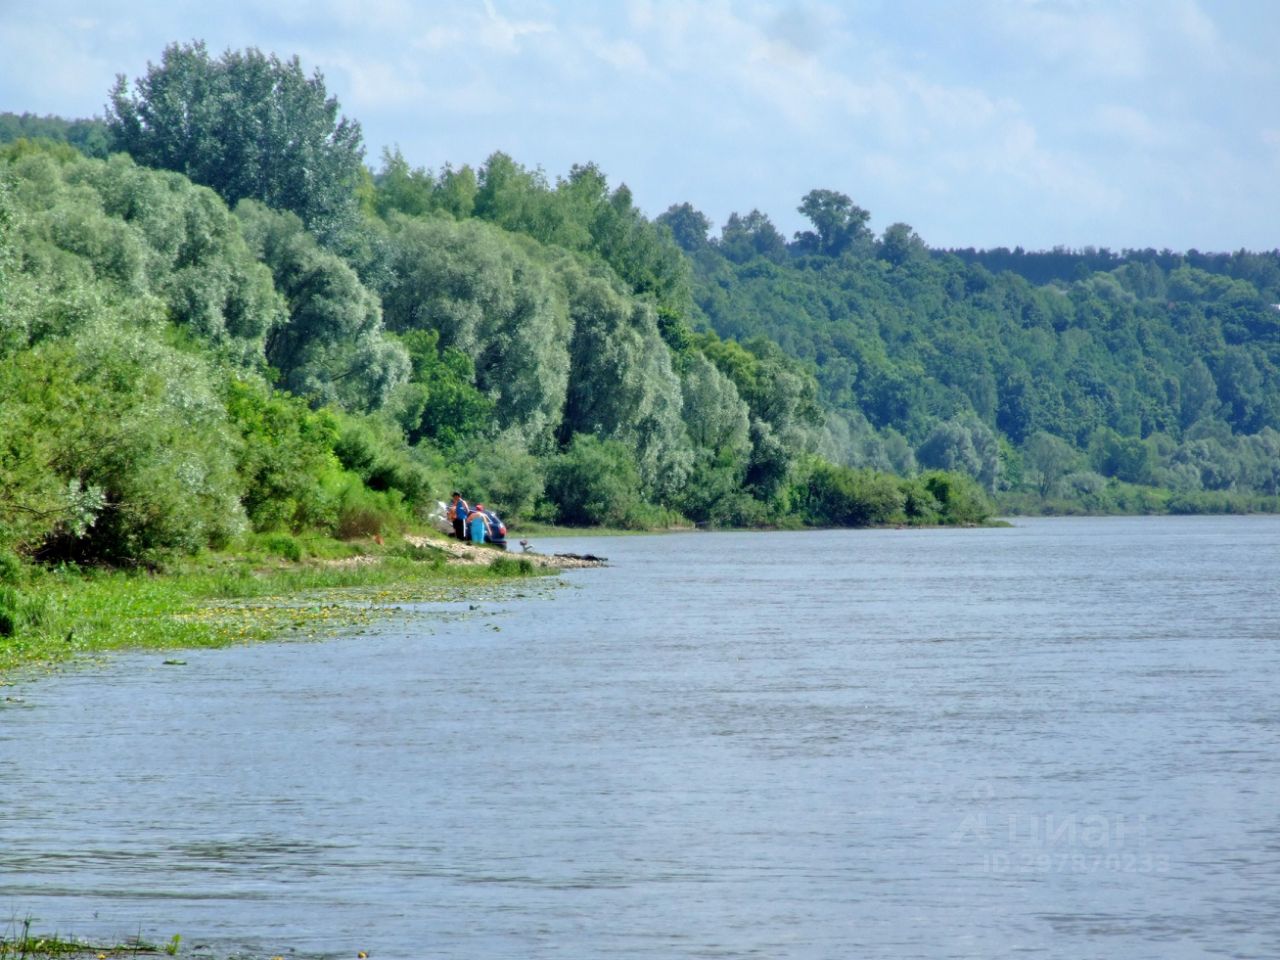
x=1131, y=126
x=1084, y=38
x=1197, y=29
x=504, y=33
x=625, y=55
x=373, y=84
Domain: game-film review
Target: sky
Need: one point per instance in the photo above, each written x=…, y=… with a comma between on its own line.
x=983, y=123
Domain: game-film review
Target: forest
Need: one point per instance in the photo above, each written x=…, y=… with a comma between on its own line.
x=217, y=319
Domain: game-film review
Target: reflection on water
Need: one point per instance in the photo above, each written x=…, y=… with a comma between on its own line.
x=1056, y=740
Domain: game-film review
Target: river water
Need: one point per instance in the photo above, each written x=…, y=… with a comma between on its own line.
x=1060, y=739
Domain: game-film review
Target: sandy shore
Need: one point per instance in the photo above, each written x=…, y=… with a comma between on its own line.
x=462, y=552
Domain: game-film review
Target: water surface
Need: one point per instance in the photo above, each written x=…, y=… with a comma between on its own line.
x=1056, y=740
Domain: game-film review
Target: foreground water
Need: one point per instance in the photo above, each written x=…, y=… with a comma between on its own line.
x=1056, y=740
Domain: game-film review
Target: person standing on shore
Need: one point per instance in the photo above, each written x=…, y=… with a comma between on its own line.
x=479, y=524
x=458, y=511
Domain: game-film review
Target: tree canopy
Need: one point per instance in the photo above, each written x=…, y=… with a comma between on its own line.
x=247, y=124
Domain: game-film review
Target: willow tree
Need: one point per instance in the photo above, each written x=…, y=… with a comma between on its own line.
x=621, y=384
x=332, y=347
x=487, y=297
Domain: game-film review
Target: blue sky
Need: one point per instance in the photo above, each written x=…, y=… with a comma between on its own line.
x=1127, y=123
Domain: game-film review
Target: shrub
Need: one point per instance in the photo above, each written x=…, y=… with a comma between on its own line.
x=19, y=611
x=11, y=571
x=283, y=545
x=367, y=513
x=286, y=451
x=374, y=451
x=502, y=473
x=511, y=567
x=131, y=456
x=840, y=496
x=919, y=504
x=594, y=482
x=959, y=497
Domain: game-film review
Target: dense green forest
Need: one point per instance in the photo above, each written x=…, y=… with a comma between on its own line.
x=1148, y=381
x=216, y=318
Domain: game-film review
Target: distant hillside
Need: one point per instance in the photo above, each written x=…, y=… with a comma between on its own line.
x=1152, y=369
x=1060, y=264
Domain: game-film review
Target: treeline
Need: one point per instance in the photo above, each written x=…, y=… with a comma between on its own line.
x=227, y=323
x=1064, y=264
x=1136, y=382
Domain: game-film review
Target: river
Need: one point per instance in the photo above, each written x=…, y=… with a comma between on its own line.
x=1059, y=739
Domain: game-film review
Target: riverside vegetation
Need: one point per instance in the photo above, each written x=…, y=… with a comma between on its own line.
x=222, y=334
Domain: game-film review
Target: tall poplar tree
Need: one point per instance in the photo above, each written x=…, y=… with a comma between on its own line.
x=248, y=125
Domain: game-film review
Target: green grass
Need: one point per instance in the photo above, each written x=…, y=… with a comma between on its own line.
x=19, y=943
x=220, y=599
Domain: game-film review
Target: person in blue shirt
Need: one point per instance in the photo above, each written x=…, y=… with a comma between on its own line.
x=458, y=511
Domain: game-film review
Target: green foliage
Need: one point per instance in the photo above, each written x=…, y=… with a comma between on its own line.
x=332, y=348
x=957, y=360
x=960, y=499
x=581, y=214
x=283, y=545
x=594, y=482
x=622, y=385
x=548, y=331
x=284, y=458
x=124, y=454
x=250, y=126
x=363, y=512
x=743, y=239
x=967, y=445
x=487, y=301
x=501, y=472
x=828, y=495
x=93, y=234
x=441, y=402
x=839, y=225
x=415, y=191
x=373, y=450
x=87, y=136
x=511, y=567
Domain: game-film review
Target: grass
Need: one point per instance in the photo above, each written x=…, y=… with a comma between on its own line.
x=19, y=943
x=220, y=599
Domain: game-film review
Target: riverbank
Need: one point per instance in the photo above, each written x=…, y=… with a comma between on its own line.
x=274, y=587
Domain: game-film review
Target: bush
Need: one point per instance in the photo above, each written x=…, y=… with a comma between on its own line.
x=375, y=452
x=283, y=545
x=11, y=570
x=919, y=504
x=959, y=497
x=368, y=513
x=10, y=600
x=503, y=474
x=831, y=495
x=511, y=567
x=127, y=457
x=286, y=451
x=595, y=482
x=19, y=611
